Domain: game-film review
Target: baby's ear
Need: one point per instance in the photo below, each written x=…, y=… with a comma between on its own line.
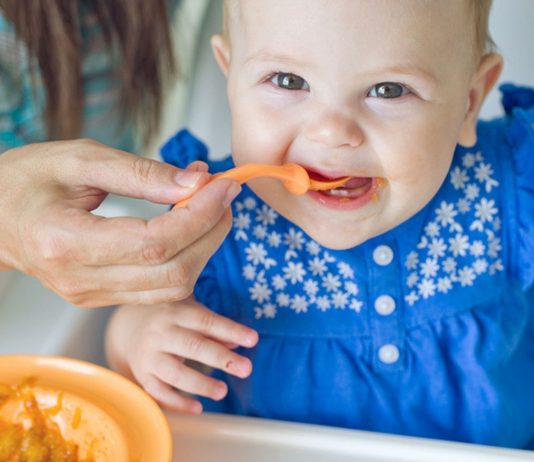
x=483, y=81
x=221, y=51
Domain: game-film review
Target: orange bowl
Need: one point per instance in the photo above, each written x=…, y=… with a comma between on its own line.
x=105, y=414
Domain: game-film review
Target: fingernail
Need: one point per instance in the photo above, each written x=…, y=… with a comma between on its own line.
x=220, y=391
x=231, y=193
x=250, y=340
x=243, y=368
x=198, y=166
x=196, y=408
x=187, y=178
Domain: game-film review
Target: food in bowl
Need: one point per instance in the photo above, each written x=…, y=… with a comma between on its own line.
x=33, y=435
x=89, y=412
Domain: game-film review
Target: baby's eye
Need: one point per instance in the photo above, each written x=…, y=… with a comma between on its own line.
x=388, y=90
x=289, y=81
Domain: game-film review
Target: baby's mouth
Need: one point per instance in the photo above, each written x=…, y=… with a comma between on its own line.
x=354, y=188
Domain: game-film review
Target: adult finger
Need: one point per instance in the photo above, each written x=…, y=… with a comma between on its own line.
x=182, y=271
x=93, y=164
x=127, y=240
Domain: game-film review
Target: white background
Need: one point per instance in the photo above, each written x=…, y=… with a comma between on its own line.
x=512, y=28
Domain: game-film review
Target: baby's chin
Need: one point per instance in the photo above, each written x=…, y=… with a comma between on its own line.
x=334, y=239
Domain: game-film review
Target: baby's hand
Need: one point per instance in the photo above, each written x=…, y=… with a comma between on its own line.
x=153, y=342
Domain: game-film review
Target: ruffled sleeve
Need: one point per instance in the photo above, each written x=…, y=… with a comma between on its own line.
x=184, y=148
x=519, y=105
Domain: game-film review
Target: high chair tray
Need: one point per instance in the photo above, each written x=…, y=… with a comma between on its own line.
x=221, y=438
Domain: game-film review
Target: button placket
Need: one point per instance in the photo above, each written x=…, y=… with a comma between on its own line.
x=386, y=317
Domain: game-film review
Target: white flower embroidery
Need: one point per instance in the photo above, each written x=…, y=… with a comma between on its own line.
x=242, y=221
x=466, y=276
x=249, y=203
x=412, y=260
x=458, y=178
x=260, y=292
x=294, y=239
x=480, y=266
x=274, y=239
x=411, y=298
x=458, y=245
x=311, y=287
x=483, y=174
x=283, y=299
x=412, y=280
x=351, y=288
x=485, y=210
x=278, y=282
x=463, y=205
x=427, y=288
x=472, y=191
x=432, y=229
x=269, y=310
x=323, y=303
x=345, y=270
x=444, y=285
x=266, y=215
x=355, y=305
x=299, y=304
x=469, y=160
x=445, y=255
x=260, y=232
x=449, y=265
x=340, y=300
x=477, y=248
x=249, y=272
x=429, y=268
x=331, y=282
x=317, y=266
x=445, y=214
x=256, y=253
x=437, y=248
x=294, y=272
x=313, y=248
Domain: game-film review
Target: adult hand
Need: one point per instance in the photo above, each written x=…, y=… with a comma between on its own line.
x=47, y=192
x=151, y=344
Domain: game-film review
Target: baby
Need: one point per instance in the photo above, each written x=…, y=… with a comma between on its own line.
x=401, y=302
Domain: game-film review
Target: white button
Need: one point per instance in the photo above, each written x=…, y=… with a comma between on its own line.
x=383, y=255
x=384, y=305
x=388, y=353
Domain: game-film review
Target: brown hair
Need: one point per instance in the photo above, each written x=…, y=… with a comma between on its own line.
x=139, y=31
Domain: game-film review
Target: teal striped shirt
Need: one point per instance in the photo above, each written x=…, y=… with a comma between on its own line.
x=22, y=95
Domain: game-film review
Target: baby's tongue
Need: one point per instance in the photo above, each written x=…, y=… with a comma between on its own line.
x=356, y=182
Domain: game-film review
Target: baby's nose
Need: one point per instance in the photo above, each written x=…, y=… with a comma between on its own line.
x=334, y=129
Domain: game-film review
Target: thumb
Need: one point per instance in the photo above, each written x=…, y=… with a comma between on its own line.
x=129, y=175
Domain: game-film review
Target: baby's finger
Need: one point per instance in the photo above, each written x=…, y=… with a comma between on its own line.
x=204, y=321
x=191, y=345
x=176, y=374
x=171, y=399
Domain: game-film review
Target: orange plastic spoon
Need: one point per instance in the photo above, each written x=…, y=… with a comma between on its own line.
x=294, y=177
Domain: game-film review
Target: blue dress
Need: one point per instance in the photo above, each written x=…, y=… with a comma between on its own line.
x=425, y=330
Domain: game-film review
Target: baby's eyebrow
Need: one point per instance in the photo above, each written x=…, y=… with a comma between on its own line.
x=410, y=70
x=265, y=55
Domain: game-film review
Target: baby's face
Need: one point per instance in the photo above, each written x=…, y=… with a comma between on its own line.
x=377, y=90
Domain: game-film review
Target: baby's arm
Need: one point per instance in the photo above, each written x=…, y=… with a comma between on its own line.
x=151, y=343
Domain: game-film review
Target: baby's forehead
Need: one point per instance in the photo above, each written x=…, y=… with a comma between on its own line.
x=472, y=13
